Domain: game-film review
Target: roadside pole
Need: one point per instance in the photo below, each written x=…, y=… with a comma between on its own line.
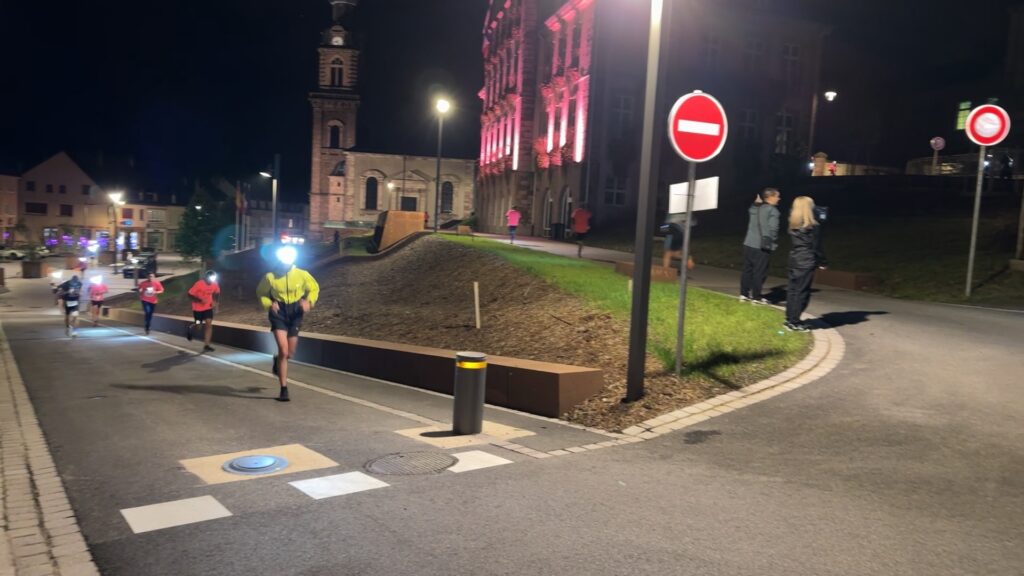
x=986, y=125
x=691, y=191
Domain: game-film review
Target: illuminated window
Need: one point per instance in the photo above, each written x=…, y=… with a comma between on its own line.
x=337, y=72
x=615, y=191
x=447, y=197
x=963, y=110
x=127, y=213
x=791, y=66
x=371, y=194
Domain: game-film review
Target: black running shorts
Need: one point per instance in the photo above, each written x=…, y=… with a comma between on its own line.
x=287, y=318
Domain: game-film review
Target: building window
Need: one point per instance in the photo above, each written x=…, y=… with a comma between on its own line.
x=783, y=132
x=127, y=213
x=963, y=110
x=748, y=122
x=157, y=215
x=49, y=188
x=30, y=185
x=86, y=189
x=51, y=236
x=39, y=208
x=791, y=64
x=67, y=210
x=709, y=49
x=447, y=197
x=753, y=55
x=622, y=114
x=371, y=194
x=615, y=191
x=334, y=139
x=337, y=73
x=62, y=189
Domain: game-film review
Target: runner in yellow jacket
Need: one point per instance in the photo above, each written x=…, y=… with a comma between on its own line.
x=287, y=293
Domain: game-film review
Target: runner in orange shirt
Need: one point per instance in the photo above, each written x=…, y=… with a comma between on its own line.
x=580, y=227
x=205, y=295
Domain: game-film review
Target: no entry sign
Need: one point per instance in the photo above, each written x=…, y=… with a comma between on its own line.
x=697, y=127
x=988, y=125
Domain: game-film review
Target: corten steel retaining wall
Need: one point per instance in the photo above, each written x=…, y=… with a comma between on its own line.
x=541, y=388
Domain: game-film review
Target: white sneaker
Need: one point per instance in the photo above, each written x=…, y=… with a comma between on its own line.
x=760, y=301
x=743, y=298
x=74, y=333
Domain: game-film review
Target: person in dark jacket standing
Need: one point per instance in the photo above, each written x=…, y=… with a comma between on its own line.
x=761, y=240
x=805, y=257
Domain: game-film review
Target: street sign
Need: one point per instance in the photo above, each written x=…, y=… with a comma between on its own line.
x=937, y=143
x=697, y=127
x=987, y=125
x=706, y=198
x=126, y=222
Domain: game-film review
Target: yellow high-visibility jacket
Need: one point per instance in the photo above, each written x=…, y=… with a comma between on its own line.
x=289, y=288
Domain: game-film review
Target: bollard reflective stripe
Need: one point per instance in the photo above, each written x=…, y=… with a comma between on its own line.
x=465, y=365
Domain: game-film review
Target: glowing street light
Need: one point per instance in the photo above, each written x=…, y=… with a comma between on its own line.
x=829, y=97
x=274, y=175
x=443, y=106
x=115, y=201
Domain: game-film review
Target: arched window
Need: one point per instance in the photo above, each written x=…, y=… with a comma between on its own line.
x=371, y=194
x=337, y=73
x=334, y=139
x=447, y=197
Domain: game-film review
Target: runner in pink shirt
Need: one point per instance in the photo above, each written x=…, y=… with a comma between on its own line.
x=512, y=217
x=97, y=290
x=149, y=289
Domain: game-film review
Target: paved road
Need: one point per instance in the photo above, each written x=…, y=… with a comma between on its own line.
x=906, y=459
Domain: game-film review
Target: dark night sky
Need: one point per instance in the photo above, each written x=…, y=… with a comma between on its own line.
x=199, y=87
x=196, y=87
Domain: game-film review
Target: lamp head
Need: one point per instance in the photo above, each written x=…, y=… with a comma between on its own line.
x=266, y=174
x=115, y=197
x=831, y=95
x=287, y=255
x=443, y=105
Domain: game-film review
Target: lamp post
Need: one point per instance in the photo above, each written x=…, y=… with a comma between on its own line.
x=443, y=106
x=115, y=201
x=274, y=176
x=830, y=95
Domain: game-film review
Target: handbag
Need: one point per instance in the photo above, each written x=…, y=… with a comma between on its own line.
x=767, y=242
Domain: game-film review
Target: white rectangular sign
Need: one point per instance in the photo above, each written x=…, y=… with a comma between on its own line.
x=706, y=199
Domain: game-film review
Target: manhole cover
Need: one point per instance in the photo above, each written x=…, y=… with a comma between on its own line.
x=257, y=464
x=411, y=463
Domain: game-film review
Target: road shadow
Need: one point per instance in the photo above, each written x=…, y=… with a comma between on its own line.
x=848, y=318
x=777, y=294
x=209, y=389
x=699, y=436
x=712, y=365
x=165, y=364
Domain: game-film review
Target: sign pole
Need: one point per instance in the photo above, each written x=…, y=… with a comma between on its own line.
x=680, y=337
x=974, y=222
x=935, y=162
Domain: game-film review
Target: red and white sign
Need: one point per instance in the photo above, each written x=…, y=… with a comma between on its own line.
x=987, y=125
x=697, y=127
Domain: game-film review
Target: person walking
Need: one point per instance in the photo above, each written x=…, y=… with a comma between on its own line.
x=806, y=256
x=512, y=217
x=97, y=291
x=761, y=240
x=149, y=289
x=580, y=227
x=69, y=293
x=205, y=295
x=287, y=293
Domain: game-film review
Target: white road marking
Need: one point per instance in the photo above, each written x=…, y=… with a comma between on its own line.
x=475, y=460
x=176, y=513
x=694, y=127
x=337, y=485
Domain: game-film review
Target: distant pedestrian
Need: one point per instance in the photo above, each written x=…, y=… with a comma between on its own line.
x=205, y=295
x=512, y=217
x=581, y=227
x=287, y=293
x=832, y=167
x=337, y=238
x=149, y=289
x=97, y=292
x=761, y=240
x=70, y=293
x=673, y=249
x=426, y=219
x=805, y=257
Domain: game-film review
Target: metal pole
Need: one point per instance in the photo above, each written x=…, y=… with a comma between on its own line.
x=974, y=222
x=469, y=393
x=646, y=202
x=691, y=191
x=1019, y=254
x=113, y=210
x=935, y=162
x=814, y=122
x=273, y=191
x=437, y=182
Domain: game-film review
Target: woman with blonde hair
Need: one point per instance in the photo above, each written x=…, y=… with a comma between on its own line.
x=805, y=256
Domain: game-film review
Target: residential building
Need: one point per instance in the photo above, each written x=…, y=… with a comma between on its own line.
x=8, y=206
x=352, y=187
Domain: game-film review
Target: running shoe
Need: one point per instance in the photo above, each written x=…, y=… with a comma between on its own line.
x=795, y=327
x=208, y=349
x=188, y=332
x=275, y=369
x=283, y=397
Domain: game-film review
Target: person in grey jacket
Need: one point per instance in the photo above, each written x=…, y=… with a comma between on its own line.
x=761, y=240
x=806, y=256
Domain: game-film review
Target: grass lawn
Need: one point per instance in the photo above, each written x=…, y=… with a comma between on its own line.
x=727, y=341
x=918, y=258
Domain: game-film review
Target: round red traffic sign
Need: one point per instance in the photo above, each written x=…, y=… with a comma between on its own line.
x=987, y=125
x=697, y=127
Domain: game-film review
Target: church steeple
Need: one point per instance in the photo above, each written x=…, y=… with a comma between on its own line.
x=341, y=8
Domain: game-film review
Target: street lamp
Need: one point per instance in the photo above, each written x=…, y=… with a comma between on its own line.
x=443, y=106
x=830, y=95
x=115, y=201
x=274, y=176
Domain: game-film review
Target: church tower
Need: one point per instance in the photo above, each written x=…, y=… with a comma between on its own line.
x=335, y=105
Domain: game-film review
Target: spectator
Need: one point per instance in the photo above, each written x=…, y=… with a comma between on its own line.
x=805, y=257
x=760, y=242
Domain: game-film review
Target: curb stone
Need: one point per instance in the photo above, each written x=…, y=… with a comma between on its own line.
x=40, y=533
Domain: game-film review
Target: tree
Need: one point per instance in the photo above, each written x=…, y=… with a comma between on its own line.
x=200, y=234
